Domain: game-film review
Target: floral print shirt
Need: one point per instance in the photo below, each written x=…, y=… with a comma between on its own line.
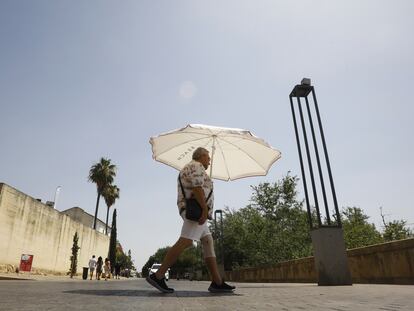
x=194, y=175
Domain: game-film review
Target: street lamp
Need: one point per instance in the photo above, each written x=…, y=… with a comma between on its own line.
x=331, y=261
x=219, y=235
x=58, y=188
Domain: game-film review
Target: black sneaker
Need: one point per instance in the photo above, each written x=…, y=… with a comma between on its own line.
x=159, y=284
x=223, y=288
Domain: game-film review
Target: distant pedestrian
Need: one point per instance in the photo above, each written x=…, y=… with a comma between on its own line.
x=99, y=265
x=107, y=269
x=92, y=265
x=117, y=270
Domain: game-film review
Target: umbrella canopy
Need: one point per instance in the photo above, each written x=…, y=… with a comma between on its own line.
x=235, y=153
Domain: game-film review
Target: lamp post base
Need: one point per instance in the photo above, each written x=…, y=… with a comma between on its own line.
x=331, y=261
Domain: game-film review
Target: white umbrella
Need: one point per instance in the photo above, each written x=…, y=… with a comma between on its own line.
x=235, y=153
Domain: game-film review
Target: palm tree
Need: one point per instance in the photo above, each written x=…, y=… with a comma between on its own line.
x=110, y=194
x=102, y=174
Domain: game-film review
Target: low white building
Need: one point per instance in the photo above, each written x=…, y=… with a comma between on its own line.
x=79, y=215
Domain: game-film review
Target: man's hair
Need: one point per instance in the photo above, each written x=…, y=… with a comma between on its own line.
x=199, y=152
x=93, y=256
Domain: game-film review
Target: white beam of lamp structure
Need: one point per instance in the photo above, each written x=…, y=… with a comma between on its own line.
x=58, y=188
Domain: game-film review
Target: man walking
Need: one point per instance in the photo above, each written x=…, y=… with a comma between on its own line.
x=193, y=182
x=92, y=266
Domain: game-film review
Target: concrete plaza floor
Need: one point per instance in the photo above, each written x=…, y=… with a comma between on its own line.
x=136, y=294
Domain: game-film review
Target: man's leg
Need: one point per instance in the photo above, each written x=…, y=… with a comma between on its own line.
x=172, y=256
x=210, y=258
x=158, y=279
x=217, y=285
x=212, y=267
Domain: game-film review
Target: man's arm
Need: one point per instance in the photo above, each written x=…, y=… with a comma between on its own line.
x=201, y=199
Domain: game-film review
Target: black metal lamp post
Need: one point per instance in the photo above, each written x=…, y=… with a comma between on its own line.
x=302, y=91
x=331, y=261
x=219, y=234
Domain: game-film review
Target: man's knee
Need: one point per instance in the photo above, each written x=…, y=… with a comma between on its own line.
x=184, y=242
x=208, y=246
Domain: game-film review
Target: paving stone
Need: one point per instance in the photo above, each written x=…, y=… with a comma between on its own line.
x=136, y=294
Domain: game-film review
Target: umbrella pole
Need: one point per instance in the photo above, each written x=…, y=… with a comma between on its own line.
x=212, y=154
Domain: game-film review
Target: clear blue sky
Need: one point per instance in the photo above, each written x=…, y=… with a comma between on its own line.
x=85, y=79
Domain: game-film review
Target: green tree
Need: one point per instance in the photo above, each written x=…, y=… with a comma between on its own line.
x=130, y=262
x=74, y=257
x=270, y=198
x=102, y=174
x=112, y=242
x=110, y=193
x=124, y=260
x=272, y=228
x=396, y=230
x=357, y=231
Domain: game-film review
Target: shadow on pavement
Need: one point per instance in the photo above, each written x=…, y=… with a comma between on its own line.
x=7, y=278
x=276, y=286
x=147, y=293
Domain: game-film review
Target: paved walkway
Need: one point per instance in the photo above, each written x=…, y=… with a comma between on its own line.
x=136, y=294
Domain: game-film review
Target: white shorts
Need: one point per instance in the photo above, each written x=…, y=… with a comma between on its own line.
x=192, y=230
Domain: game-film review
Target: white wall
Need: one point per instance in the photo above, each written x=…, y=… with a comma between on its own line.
x=28, y=226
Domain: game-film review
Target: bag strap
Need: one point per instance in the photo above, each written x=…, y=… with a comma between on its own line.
x=181, y=184
x=209, y=195
x=182, y=189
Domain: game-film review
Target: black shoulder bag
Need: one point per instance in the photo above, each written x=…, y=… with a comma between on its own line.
x=193, y=210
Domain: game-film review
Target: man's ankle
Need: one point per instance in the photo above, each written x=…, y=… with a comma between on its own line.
x=157, y=276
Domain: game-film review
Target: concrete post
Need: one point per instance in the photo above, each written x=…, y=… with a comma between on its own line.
x=331, y=261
